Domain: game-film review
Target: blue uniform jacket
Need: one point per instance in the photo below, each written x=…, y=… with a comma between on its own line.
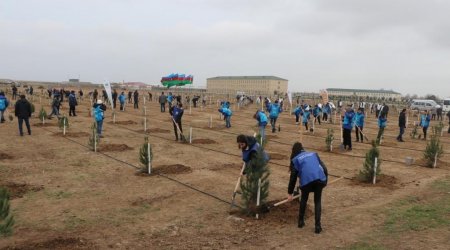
x=308, y=167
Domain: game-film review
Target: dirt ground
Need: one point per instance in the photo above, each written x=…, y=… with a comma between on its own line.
x=65, y=196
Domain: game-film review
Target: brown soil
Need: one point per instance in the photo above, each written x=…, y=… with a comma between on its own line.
x=230, y=166
x=72, y=134
x=439, y=164
x=114, y=147
x=18, y=190
x=5, y=156
x=285, y=214
x=275, y=156
x=172, y=169
x=385, y=181
x=56, y=243
x=46, y=124
x=203, y=141
x=123, y=122
x=158, y=130
x=148, y=201
x=269, y=137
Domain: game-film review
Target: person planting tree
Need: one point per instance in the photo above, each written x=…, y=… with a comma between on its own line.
x=99, y=116
x=313, y=177
x=227, y=113
x=298, y=112
x=261, y=117
x=177, y=113
x=306, y=115
x=359, y=122
x=382, y=122
x=347, y=126
x=122, y=99
x=425, y=123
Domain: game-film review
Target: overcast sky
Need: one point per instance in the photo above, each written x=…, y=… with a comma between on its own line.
x=402, y=45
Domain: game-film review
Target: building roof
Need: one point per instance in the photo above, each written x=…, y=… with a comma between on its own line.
x=365, y=90
x=246, y=78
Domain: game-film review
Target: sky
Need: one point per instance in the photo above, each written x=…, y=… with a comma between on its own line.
x=403, y=45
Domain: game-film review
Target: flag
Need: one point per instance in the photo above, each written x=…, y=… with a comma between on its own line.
x=290, y=97
x=107, y=87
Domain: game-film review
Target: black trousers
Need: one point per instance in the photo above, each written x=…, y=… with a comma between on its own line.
x=424, y=129
x=176, y=130
x=72, y=111
x=347, y=134
x=358, y=132
x=317, y=118
x=27, y=123
x=315, y=187
x=325, y=116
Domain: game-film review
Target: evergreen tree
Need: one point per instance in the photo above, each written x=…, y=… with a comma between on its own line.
x=258, y=140
x=367, y=173
x=414, y=132
x=434, y=149
x=255, y=169
x=93, y=138
x=63, y=121
x=42, y=115
x=329, y=139
x=6, y=218
x=143, y=156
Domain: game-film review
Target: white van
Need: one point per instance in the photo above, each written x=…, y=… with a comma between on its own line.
x=446, y=105
x=421, y=105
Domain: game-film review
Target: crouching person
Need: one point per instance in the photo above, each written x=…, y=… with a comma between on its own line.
x=313, y=177
x=226, y=112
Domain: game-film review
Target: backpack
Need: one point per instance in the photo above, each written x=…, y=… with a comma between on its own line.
x=2, y=104
x=98, y=113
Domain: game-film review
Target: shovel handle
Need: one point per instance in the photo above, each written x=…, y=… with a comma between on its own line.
x=239, y=179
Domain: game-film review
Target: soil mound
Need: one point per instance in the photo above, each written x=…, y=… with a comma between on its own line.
x=57, y=243
x=72, y=134
x=18, y=190
x=129, y=122
x=286, y=213
x=172, y=169
x=385, y=181
x=114, y=147
x=203, y=141
x=5, y=156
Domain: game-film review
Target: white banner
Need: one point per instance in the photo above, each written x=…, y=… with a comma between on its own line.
x=290, y=97
x=107, y=86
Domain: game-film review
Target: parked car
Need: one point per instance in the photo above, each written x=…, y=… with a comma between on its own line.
x=446, y=105
x=421, y=105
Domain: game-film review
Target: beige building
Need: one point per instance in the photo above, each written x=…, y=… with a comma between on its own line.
x=364, y=93
x=249, y=85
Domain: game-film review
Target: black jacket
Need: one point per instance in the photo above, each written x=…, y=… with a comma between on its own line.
x=23, y=109
x=402, y=120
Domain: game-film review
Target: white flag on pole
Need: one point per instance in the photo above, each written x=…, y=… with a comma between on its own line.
x=107, y=86
x=290, y=97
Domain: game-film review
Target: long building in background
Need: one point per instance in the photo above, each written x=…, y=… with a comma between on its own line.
x=248, y=85
x=365, y=93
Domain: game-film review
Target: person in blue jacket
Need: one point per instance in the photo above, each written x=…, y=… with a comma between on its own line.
x=317, y=113
x=425, y=119
x=298, y=111
x=306, y=116
x=226, y=112
x=347, y=126
x=261, y=117
x=250, y=148
x=274, y=111
x=3, y=105
x=382, y=122
x=313, y=177
x=359, y=125
x=177, y=113
x=122, y=99
x=170, y=99
x=99, y=116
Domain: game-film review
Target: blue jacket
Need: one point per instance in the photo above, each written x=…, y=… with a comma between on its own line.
x=298, y=111
x=349, y=117
x=316, y=111
x=425, y=121
x=72, y=100
x=122, y=98
x=308, y=167
x=3, y=103
x=359, y=119
x=274, y=110
x=253, y=147
x=226, y=111
x=382, y=121
x=169, y=98
x=305, y=117
x=327, y=109
x=261, y=118
x=177, y=113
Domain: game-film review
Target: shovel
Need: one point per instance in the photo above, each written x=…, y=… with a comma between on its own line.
x=233, y=199
x=365, y=137
x=183, y=138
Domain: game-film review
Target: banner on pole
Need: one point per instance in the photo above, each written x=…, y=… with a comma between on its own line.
x=107, y=87
x=290, y=97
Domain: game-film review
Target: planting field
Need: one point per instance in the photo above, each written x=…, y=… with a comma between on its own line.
x=65, y=196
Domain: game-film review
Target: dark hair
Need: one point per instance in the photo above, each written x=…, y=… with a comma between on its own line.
x=241, y=139
x=180, y=105
x=296, y=149
x=22, y=96
x=403, y=110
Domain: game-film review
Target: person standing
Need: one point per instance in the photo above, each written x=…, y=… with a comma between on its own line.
x=448, y=117
x=80, y=94
x=313, y=177
x=298, y=112
x=95, y=96
x=23, y=113
x=347, y=126
x=177, y=113
x=382, y=122
x=99, y=116
x=274, y=111
x=425, y=123
x=31, y=91
x=114, y=97
x=359, y=125
x=306, y=116
x=439, y=113
x=130, y=94
x=122, y=99
x=136, y=99
x=3, y=105
x=170, y=99
x=261, y=117
x=401, y=125
x=14, y=92
x=55, y=105
x=162, y=102
x=72, y=103
x=317, y=111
